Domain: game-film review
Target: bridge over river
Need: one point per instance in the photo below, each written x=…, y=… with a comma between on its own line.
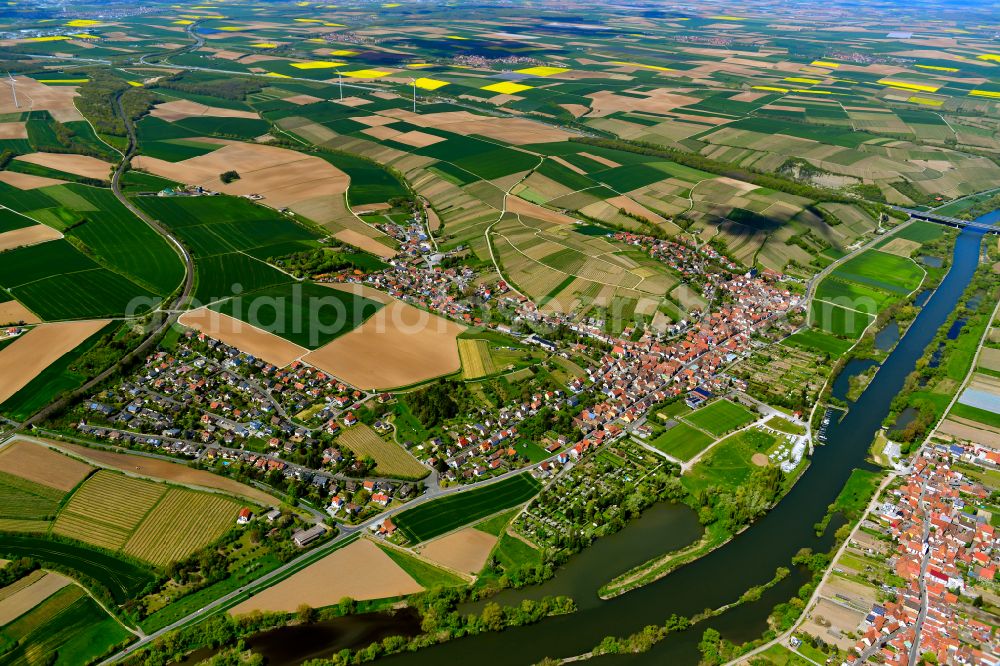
x=931, y=216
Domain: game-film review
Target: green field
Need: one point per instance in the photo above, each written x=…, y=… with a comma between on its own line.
x=818, y=341
x=24, y=499
x=729, y=463
x=444, y=515
x=512, y=553
x=123, y=579
x=882, y=271
x=720, y=417
x=838, y=320
x=307, y=314
x=976, y=414
x=56, y=281
x=682, y=442
x=69, y=625
x=425, y=573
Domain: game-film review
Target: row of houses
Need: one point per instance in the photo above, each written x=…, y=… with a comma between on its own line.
x=944, y=544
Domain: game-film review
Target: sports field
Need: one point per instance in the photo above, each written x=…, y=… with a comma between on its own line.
x=444, y=515
x=682, y=442
x=390, y=458
x=729, y=462
x=720, y=417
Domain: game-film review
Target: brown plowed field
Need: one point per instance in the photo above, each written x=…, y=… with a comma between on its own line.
x=23, y=359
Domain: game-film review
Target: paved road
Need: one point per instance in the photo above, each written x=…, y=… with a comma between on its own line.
x=922, y=615
x=166, y=320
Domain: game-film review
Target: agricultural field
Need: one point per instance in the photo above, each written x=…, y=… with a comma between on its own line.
x=476, y=358
x=720, y=417
x=123, y=579
x=373, y=575
x=400, y=345
x=147, y=520
x=848, y=299
x=390, y=458
x=444, y=515
x=68, y=623
x=305, y=314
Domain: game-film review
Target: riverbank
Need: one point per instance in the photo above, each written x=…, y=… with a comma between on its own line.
x=752, y=556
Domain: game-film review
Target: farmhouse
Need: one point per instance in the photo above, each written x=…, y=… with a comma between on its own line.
x=246, y=515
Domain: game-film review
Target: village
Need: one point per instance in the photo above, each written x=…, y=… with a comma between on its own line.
x=211, y=402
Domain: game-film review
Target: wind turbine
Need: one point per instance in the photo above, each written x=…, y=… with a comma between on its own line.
x=13, y=90
x=340, y=82
x=414, y=83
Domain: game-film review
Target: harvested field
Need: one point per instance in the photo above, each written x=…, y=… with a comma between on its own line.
x=515, y=131
x=360, y=571
x=33, y=235
x=165, y=471
x=301, y=100
x=243, y=336
x=182, y=108
x=39, y=464
x=829, y=621
x=601, y=160
x=21, y=583
x=81, y=165
x=12, y=312
x=465, y=550
x=13, y=130
x=57, y=100
x=521, y=207
x=26, y=181
x=22, y=360
x=418, y=139
x=366, y=243
x=284, y=178
x=27, y=598
x=989, y=358
x=398, y=346
x=901, y=247
x=390, y=458
x=969, y=432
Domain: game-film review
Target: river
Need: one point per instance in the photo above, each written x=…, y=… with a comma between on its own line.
x=721, y=577
x=751, y=558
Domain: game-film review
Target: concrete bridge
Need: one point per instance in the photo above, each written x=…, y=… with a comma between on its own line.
x=931, y=216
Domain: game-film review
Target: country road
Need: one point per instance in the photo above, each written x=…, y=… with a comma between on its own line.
x=346, y=532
